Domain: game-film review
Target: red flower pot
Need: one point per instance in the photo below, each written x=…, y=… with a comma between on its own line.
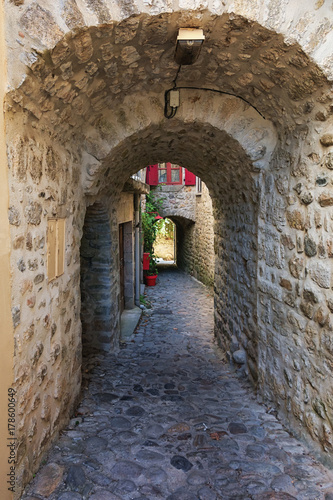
x=151, y=280
x=146, y=261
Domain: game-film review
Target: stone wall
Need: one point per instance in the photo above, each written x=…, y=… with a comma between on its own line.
x=45, y=314
x=195, y=241
x=178, y=201
x=100, y=293
x=97, y=287
x=236, y=277
x=295, y=287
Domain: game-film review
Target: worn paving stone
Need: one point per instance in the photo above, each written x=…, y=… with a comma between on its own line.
x=205, y=493
x=196, y=478
x=76, y=478
x=70, y=495
x=126, y=469
x=48, y=479
x=120, y=423
x=156, y=475
x=106, y=397
x=124, y=487
x=147, y=455
x=95, y=444
x=283, y=483
x=181, y=463
x=165, y=418
x=104, y=495
x=135, y=411
x=154, y=431
x=236, y=428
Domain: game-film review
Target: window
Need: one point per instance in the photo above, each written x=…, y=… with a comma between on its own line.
x=169, y=174
x=55, y=248
x=164, y=173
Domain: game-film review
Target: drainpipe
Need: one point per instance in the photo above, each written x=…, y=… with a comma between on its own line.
x=137, y=249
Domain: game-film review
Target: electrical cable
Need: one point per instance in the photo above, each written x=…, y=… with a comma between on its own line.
x=175, y=79
x=173, y=112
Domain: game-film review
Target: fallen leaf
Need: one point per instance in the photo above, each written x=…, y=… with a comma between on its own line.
x=217, y=435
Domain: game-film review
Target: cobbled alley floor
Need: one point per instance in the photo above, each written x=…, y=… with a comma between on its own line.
x=164, y=418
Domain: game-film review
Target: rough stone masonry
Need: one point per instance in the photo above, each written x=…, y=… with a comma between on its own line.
x=84, y=110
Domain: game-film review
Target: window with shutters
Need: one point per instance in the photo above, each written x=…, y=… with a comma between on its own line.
x=55, y=248
x=169, y=174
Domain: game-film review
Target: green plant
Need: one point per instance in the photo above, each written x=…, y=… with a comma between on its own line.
x=149, y=232
x=144, y=301
x=152, y=266
x=165, y=229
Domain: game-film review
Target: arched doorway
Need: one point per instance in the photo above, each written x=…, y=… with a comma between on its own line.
x=165, y=243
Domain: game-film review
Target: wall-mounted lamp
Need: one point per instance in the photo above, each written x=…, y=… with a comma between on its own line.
x=189, y=42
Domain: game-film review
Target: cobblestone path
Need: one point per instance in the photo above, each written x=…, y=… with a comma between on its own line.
x=166, y=419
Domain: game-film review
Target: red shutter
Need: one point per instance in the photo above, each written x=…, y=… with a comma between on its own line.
x=152, y=175
x=189, y=178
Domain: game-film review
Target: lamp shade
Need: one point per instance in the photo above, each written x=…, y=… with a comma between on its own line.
x=189, y=42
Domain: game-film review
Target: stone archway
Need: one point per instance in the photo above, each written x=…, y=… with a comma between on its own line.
x=92, y=109
x=165, y=243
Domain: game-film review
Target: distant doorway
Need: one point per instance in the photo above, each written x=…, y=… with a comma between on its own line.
x=164, y=247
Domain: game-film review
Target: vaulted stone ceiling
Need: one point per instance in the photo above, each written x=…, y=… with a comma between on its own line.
x=100, y=85
x=90, y=71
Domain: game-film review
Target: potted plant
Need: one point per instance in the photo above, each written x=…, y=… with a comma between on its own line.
x=151, y=274
x=149, y=236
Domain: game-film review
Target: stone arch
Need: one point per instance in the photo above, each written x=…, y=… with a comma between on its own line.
x=43, y=26
x=76, y=82
x=184, y=228
x=96, y=280
x=165, y=244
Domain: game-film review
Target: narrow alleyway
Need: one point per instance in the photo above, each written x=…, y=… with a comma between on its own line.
x=166, y=419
